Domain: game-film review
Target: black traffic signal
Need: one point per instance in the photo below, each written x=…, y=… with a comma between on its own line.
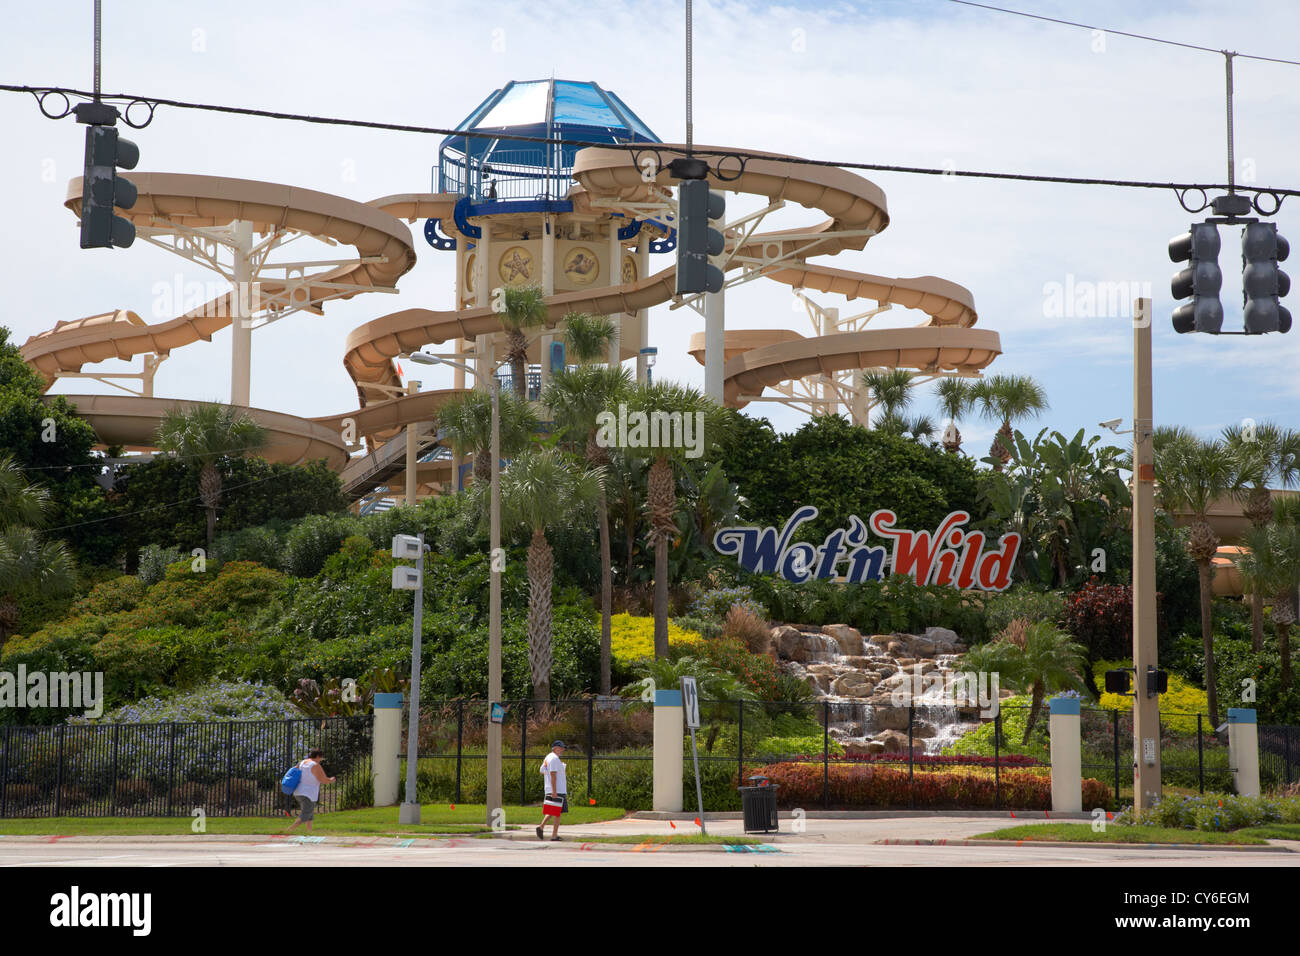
x=102, y=189
x=1157, y=681
x=1262, y=282
x=1117, y=682
x=1202, y=279
x=697, y=207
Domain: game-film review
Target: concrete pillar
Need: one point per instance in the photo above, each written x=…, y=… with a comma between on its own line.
x=1067, y=770
x=386, y=741
x=241, y=342
x=615, y=277
x=548, y=287
x=670, y=725
x=714, y=325
x=1146, y=707
x=1243, y=750
x=643, y=315
x=412, y=456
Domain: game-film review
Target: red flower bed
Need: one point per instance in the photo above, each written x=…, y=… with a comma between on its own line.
x=929, y=760
x=859, y=787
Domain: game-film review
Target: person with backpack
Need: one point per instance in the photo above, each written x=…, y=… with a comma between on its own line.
x=304, y=782
x=555, y=800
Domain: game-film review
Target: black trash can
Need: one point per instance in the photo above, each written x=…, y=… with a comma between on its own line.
x=758, y=806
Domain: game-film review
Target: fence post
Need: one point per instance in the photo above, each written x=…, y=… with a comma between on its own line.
x=826, y=755
x=230, y=760
x=171, y=764
x=1114, y=726
x=1063, y=719
x=911, y=782
x=997, y=753
x=591, y=742
x=4, y=776
x=1286, y=750
x=112, y=812
x=460, y=741
x=1200, y=752
x=58, y=776
x=523, y=750
x=740, y=746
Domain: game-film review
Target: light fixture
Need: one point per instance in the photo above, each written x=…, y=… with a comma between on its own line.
x=425, y=358
x=651, y=354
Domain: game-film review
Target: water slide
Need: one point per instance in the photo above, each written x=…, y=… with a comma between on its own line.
x=606, y=178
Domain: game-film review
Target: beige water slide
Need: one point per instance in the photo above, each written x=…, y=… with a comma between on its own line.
x=854, y=209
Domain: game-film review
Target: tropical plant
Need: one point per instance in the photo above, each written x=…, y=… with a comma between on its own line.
x=684, y=404
x=1266, y=455
x=588, y=337
x=29, y=565
x=467, y=420
x=577, y=398
x=1008, y=399
x=208, y=434
x=1034, y=658
x=1270, y=566
x=524, y=307
x=541, y=489
x=956, y=398
x=1191, y=475
x=891, y=389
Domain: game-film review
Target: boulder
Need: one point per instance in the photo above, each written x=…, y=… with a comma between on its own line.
x=922, y=730
x=860, y=747
x=944, y=639
x=849, y=639
x=852, y=684
x=892, y=742
x=890, y=718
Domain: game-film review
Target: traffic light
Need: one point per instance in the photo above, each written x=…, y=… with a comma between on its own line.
x=697, y=207
x=1202, y=279
x=1262, y=282
x=102, y=189
x=1117, y=682
x=1157, y=681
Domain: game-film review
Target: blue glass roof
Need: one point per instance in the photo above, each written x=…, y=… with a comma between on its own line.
x=487, y=168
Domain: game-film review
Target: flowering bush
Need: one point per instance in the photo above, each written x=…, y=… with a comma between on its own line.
x=801, y=785
x=1214, y=813
x=217, y=701
x=715, y=604
x=758, y=672
x=1178, y=706
x=633, y=638
x=1100, y=616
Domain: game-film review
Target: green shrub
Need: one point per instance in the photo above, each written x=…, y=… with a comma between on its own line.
x=314, y=539
x=154, y=561
x=1021, y=601
x=121, y=593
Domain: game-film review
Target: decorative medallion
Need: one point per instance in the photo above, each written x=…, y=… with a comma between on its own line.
x=581, y=267
x=515, y=266
x=629, y=269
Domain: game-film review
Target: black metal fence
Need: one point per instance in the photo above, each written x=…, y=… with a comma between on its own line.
x=227, y=769
x=1279, y=755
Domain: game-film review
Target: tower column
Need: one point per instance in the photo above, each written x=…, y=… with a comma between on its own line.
x=241, y=342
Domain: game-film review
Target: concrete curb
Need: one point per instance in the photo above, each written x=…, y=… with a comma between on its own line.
x=1085, y=845
x=873, y=815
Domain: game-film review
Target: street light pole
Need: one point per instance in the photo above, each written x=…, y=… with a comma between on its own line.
x=1146, y=704
x=496, y=564
x=494, y=611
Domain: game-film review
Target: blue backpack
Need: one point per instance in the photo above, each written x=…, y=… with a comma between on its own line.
x=292, y=777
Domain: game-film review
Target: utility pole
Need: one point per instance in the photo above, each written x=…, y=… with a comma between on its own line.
x=1146, y=703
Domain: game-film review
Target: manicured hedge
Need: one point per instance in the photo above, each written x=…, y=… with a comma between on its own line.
x=867, y=787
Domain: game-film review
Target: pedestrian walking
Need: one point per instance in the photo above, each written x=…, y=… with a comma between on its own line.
x=555, y=800
x=307, y=793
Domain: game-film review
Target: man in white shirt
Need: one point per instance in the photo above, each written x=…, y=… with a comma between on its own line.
x=554, y=790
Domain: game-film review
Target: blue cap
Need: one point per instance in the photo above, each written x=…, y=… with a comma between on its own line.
x=558, y=743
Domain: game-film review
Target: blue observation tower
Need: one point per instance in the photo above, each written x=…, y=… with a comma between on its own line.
x=485, y=169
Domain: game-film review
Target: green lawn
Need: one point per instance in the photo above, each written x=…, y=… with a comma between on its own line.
x=1275, y=831
x=1083, y=833
x=375, y=821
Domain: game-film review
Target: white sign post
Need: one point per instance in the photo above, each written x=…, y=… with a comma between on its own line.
x=691, y=708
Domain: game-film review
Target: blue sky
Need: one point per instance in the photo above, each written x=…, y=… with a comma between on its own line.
x=923, y=82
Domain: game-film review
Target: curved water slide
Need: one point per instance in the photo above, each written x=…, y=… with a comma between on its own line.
x=855, y=210
x=383, y=254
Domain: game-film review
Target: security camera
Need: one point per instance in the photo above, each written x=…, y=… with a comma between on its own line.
x=1112, y=424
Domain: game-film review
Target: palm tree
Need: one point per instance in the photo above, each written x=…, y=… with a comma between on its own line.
x=28, y=565
x=1191, y=476
x=1036, y=659
x=541, y=489
x=208, y=434
x=577, y=399
x=1267, y=455
x=956, y=398
x=524, y=308
x=1271, y=566
x=467, y=422
x=1008, y=399
x=588, y=337
x=891, y=390
x=661, y=493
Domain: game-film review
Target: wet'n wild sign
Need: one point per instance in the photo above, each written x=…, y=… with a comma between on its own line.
x=949, y=555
